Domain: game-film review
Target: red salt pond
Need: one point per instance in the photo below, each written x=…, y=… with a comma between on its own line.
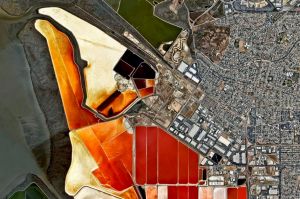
x=242, y=192
x=172, y=192
x=167, y=158
x=193, y=167
x=140, y=145
x=182, y=192
x=162, y=159
x=193, y=192
x=232, y=193
x=237, y=193
x=183, y=164
x=152, y=133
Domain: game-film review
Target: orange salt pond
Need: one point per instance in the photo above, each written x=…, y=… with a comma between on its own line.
x=104, y=160
x=102, y=53
x=67, y=75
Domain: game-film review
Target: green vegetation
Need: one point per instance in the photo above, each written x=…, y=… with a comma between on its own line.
x=32, y=192
x=287, y=82
x=139, y=13
x=114, y=4
x=18, y=195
